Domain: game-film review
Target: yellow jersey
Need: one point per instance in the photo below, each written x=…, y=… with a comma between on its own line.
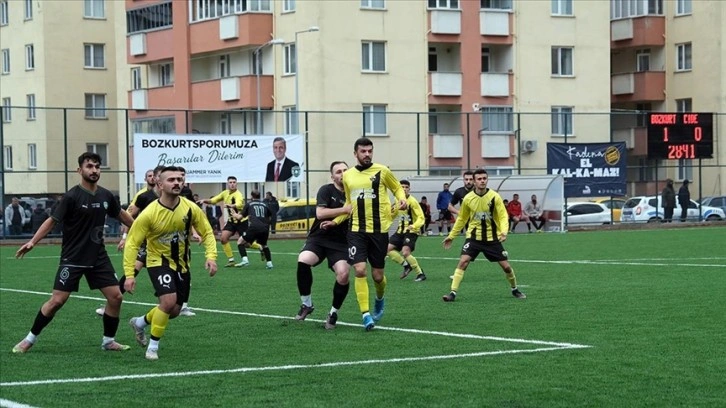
x=230, y=198
x=486, y=215
x=413, y=216
x=366, y=190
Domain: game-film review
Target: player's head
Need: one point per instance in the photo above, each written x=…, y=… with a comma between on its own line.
x=171, y=180
x=255, y=195
x=149, y=177
x=363, y=151
x=337, y=168
x=423, y=199
x=406, y=187
x=279, y=147
x=89, y=167
x=157, y=174
x=481, y=178
x=183, y=172
x=468, y=179
x=232, y=183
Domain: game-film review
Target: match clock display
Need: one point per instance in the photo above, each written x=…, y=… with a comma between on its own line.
x=681, y=135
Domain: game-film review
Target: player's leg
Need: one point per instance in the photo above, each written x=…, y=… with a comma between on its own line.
x=357, y=256
x=340, y=287
x=511, y=278
x=242, y=244
x=227, y=232
x=378, y=243
x=395, y=243
x=407, y=252
x=469, y=252
x=305, y=261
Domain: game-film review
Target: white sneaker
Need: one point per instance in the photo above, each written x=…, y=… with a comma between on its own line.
x=152, y=354
x=241, y=264
x=101, y=310
x=451, y=277
x=269, y=265
x=186, y=312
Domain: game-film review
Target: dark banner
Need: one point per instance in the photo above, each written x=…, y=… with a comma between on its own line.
x=589, y=169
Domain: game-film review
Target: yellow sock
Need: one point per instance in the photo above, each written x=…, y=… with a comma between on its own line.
x=414, y=264
x=159, y=323
x=396, y=257
x=361, y=293
x=511, y=279
x=458, y=276
x=227, y=248
x=150, y=314
x=255, y=245
x=380, y=287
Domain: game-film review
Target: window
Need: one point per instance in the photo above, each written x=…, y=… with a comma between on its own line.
x=288, y=6
x=100, y=149
x=257, y=68
x=28, y=9
x=634, y=8
x=95, y=106
x=93, y=9
x=3, y=12
x=7, y=110
x=433, y=121
x=149, y=18
x=433, y=60
x=136, y=78
x=374, y=120
x=29, y=57
x=684, y=105
x=497, y=119
x=444, y=4
x=166, y=74
x=156, y=125
x=562, y=61
x=562, y=121
x=374, y=56
x=293, y=189
x=641, y=117
x=8, y=156
x=562, y=7
x=291, y=122
x=224, y=68
x=31, y=106
x=496, y=4
x=225, y=124
x=642, y=60
x=32, y=156
x=373, y=4
x=683, y=52
x=685, y=169
x=683, y=7
x=486, y=59
x=6, y=61
x=208, y=9
x=289, y=59
x=93, y=56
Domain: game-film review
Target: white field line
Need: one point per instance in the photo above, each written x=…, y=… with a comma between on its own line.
x=12, y=404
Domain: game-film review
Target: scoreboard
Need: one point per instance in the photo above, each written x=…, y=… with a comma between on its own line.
x=681, y=135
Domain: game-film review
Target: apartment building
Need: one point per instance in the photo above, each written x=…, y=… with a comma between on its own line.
x=57, y=55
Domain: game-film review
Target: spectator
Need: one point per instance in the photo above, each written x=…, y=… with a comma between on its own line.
x=38, y=217
x=684, y=199
x=514, y=209
x=15, y=217
x=426, y=208
x=669, y=201
x=533, y=210
x=442, y=204
x=271, y=203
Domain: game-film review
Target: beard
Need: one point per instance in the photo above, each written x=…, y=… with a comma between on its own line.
x=91, y=178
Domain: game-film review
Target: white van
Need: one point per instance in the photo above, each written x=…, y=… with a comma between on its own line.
x=650, y=209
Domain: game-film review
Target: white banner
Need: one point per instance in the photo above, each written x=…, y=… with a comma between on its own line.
x=213, y=158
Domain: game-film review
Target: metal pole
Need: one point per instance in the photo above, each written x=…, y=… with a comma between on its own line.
x=65, y=147
x=297, y=82
x=468, y=143
x=418, y=144
x=128, y=160
x=518, y=139
x=257, y=77
x=307, y=175
x=2, y=167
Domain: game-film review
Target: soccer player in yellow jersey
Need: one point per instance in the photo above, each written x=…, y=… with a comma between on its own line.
x=403, y=242
x=166, y=225
x=366, y=192
x=488, y=226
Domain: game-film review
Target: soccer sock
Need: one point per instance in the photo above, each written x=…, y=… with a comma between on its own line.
x=458, y=276
x=304, y=279
x=339, y=294
x=40, y=322
x=110, y=325
x=255, y=245
x=159, y=323
x=396, y=257
x=380, y=287
x=149, y=317
x=242, y=250
x=227, y=248
x=511, y=278
x=361, y=293
x=414, y=264
x=268, y=255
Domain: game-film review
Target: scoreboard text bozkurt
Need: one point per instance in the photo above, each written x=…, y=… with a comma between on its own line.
x=682, y=135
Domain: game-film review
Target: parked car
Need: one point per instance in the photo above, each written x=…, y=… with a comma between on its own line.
x=650, y=209
x=587, y=213
x=614, y=204
x=717, y=201
x=295, y=215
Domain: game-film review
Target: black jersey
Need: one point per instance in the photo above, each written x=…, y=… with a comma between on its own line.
x=144, y=199
x=330, y=197
x=459, y=195
x=259, y=214
x=83, y=214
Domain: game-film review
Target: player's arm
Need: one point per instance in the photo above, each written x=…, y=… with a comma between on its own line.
x=502, y=219
x=418, y=216
x=136, y=236
x=454, y=200
x=392, y=183
x=45, y=228
x=461, y=221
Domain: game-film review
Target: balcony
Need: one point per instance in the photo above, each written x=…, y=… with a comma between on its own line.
x=495, y=84
x=638, y=87
x=232, y=93
x=496, y=26
x=150, y=46
x=495, y=145
x=636, y=140
x=445, y=21
x=233, y=31
x=446, y=83
x=139, y=99
x=643, y=31
x=447, y=146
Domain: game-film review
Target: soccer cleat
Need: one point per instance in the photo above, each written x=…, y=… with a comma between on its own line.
x=115, y=346
x=269, y=265
x=451, y=277
x=378, y=309
x=420, y=277
x=152, y=354
x=368, y=322
x=242, y=264
x=450, y=297
x=186, y=311
x=539, y=231
x=406, y=270
x=304, y=312
x=519, y=295
x=22, y=347
x=231, y=264
x=101, y=310
x=139, y=334
x=331, y=321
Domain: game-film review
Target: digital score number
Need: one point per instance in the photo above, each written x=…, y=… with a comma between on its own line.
x=682, y=135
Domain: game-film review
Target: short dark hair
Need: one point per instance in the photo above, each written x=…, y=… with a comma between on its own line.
x=169, y=168
x=231, y=178
x=362, y=141
x=255, y=194
x=468, y=173
x=90, y=156
x=335, y=163
x=405, y=183
x=423, y=198
x=158, y=169
x=182, y=169
x=480, y=171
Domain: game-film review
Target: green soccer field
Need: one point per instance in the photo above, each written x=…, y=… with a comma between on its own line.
x=612, y=319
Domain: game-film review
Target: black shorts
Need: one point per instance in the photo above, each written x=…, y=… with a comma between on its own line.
x=256, y=234
x=236, y=227
x=401, y=240
x=166, y=281
x=99, y=276
x=325, y=248
x=141, y=255
x=493, y=251
x=445, y=215
x=367, y=246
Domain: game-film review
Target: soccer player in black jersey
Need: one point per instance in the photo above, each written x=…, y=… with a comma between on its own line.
x=484, y=211
x=82, y=211
x=461, y=192
x=258, y=230
x=326, y=243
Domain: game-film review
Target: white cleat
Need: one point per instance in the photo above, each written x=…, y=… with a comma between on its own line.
x=101, y=310
x=152, y=354
x=186, y=312
x=269, y=265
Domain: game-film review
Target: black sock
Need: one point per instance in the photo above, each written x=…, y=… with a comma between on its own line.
x=268, y=255
x=40, y=322
x=110, y=325
x=304, y=279
x=339, y=294
x=242, y=250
